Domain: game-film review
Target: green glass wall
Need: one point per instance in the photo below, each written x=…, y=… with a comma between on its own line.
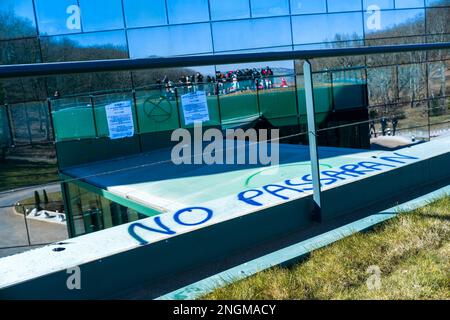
x=91, y=212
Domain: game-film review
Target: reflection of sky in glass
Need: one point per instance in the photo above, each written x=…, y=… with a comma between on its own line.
x=170, y=41
x=267, y=8
x=346, y=5
x=317, y=28
x=182, y=11
x=52, y=16
x=101, y=14
x=258, y=33
x=21, y=9
x=144, y=13
x=383, y=4
x=392, y=18
x=408, y=3
x=308, y=6
x=230, y=9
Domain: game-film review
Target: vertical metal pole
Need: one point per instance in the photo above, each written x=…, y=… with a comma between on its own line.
x=216, y=90
x=257, y=99
x=27, y=117
x=310, y=113
x=68, y=208
x=138, y=125
x=91, y=100
x=50, y=117
x=26, y=225
x=333, y=105
x=180, y=125
x=10, y=124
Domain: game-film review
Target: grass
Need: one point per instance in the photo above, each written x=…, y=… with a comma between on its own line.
x=412, y=252
x=17, y=174
x=54, y=198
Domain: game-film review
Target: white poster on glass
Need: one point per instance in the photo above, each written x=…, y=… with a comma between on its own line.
x=120, y=120
x=195, y=107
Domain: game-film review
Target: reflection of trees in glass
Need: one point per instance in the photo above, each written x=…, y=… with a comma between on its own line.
x=412, y=26
x=69, y=50
x=438, y=24
x=19, y=51
x=152, y=76
x=13, y=26
x=398, y=83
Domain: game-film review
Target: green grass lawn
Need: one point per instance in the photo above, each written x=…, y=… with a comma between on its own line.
x=17, y=174
x=412, y=252
x=54, y=198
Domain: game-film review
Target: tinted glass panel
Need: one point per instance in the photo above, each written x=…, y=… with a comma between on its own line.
x=438, y=20
x=16, y=19
x=19, y=51
x=382, y=4
x=30, y=122
x=308, y=6
x=58, y=16
x=101, y=101
x=24, y=89
x=347, y=5
x=231, y=9
x=409, y=3
x=331, y=27
x=258, y=33
x=89, y=46
x=101, y=14
x=437, y=3
x=73, y=118
x=156, y=110
x=181, y=11
x=397, y=23
x=89, y=82
x=5, y=138
x=173, y=40
x=267, y=8
x=144, y=13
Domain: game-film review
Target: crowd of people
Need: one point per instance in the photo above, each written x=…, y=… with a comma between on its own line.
x=224, y=82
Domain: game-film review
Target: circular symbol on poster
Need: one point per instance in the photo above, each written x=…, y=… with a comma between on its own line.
x=158, y=108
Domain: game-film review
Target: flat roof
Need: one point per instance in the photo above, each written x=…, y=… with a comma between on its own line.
x=151, y=179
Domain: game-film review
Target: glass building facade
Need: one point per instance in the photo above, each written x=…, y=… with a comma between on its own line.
x=412, y=87
x=151, y=28
x=33, y=31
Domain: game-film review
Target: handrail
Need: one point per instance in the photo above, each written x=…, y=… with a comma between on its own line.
x=58, y=68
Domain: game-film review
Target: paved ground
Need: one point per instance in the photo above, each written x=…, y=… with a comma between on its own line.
x=12, y=226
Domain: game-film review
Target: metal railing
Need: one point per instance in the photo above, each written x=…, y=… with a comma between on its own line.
x=59, y=68
x=47, y=69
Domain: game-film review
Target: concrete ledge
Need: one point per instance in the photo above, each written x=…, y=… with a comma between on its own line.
x=294, y=253
x=115, y=260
